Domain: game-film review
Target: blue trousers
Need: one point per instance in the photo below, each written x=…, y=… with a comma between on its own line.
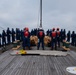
x=26, y=42
x=54, y=43
x=42, y=42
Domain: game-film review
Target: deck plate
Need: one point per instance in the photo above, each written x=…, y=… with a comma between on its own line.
x=41, y=52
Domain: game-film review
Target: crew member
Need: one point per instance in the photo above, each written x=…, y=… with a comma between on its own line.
x=58, y=37
x=13, y=35
x=41, y=36
x=68, y=36
x=54, y=39
x=3, y=38
x=8, y=36
x=26, y=39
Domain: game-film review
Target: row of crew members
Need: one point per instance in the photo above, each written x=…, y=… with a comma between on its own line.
x=10, y=36
x=73, y=36
x=26, y=39
x=70, y=37
x=20, y=36
x=57, y=37
x=62, y=33
x=7, y=34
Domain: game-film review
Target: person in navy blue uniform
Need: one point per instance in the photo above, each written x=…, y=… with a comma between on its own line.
x=64, y=32
x=58, y=37
x=8, y=36
x=22, y=35
x=17, y=34
x=50, y=32
x=40, y=36
x=54, y=39
x=3, y=38
x=73, y=38
x=32, y=32
x=13, y=35
x=35, y=31
x=62, y=35
x=68, y=36
x=26, y=39
x=0, y=40
x=47, y=32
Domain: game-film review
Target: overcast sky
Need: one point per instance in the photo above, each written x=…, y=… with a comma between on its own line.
x=22, y=13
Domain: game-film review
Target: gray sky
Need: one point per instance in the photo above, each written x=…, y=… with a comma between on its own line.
x=22, y=13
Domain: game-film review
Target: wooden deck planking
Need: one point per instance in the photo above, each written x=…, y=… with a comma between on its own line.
x=35, y=65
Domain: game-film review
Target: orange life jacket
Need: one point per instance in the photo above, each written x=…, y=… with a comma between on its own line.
x=40, y=33
x=53, y=34
x=58, y=33
x=26, y=33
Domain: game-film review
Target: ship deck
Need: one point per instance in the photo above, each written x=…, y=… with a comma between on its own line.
x=36, y=64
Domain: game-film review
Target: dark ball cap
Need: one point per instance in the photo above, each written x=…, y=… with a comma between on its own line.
x=57, y=28
x=53, y=29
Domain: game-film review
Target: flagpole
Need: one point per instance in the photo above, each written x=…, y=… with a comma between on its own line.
x=40, y=13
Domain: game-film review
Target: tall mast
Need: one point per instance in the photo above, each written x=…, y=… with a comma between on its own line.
x=40, y=13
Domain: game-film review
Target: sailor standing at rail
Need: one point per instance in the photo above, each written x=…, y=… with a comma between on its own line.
x=22, y=35
x=54, y=39
x=26, y=39
x=8, y=36
x=64, y=32
x=13, y=35
x=58, y=37
x=32, y=32
x=3, y=38
x=47, y=32
x=0, y=40
x=68, y=36
x=73, y=38
x=17, y=34
x=41, y=36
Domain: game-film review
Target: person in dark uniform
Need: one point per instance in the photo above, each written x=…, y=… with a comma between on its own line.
x=3, y=38
x=35, y=31
x=0, y=40
x=61, y=35
x=32, y=32
x=50, y=32
x=17, y=34
x=40, y=36
x=13, y=35
x=8, y=36
x=64, y=33
x=26, y=39
x=73, y=38
x=58, y=37
x=54, y=39
x=68, y=36
x=22, y=35
x=47, y=32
